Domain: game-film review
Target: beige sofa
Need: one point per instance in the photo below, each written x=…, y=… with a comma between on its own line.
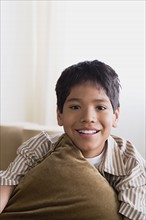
x=12, y=136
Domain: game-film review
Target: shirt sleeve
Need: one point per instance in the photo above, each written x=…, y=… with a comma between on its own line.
x=132, y=191
x=29, y=154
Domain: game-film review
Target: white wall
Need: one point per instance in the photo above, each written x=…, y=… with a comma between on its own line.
x=41, y=38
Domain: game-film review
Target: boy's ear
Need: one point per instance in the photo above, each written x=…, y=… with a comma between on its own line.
x=116, y=117
x=59, y=118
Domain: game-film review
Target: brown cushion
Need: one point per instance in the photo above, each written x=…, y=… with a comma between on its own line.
x=63, y=187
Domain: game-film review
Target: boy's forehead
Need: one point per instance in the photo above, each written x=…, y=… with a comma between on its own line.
x=88, y=90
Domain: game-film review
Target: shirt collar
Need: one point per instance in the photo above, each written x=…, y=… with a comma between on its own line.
x=112, y=159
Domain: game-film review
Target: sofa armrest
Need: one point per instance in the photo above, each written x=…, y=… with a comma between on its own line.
x=11, y=138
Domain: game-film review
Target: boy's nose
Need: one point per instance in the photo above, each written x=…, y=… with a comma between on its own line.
x=88, y=116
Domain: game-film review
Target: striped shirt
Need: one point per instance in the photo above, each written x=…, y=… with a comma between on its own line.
x=121, y=165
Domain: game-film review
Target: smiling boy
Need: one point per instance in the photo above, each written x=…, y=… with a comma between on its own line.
x=88, y=108
x=88, y=119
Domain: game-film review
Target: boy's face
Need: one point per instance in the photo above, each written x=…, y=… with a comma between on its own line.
x=88, y=118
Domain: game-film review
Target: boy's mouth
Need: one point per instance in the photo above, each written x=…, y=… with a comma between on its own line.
x=88, y=131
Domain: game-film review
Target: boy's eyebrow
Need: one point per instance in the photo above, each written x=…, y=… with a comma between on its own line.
x=73, y=99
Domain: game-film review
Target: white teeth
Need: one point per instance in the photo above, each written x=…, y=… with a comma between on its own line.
x=87, y=131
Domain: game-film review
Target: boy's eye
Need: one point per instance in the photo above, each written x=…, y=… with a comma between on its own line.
x=75, y=107
x=100, y=108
